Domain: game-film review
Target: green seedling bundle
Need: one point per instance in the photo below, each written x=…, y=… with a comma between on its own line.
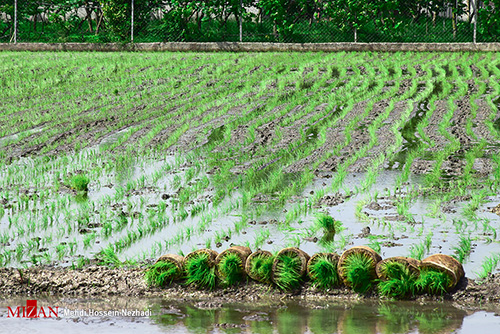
x=359, y=268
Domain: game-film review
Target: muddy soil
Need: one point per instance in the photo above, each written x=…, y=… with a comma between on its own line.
x=101, y=281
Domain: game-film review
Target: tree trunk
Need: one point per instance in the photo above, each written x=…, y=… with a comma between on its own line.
x=89, y=17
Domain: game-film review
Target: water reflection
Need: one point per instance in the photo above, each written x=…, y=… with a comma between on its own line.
x=286, y=318
x=290, y=318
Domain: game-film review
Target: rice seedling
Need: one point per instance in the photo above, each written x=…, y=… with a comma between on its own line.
x=200, y=271
x=231, y=269
x=464, y=248
x=79, y=182
x=261, y=267
x=489, y=264
x=358, y=268
x=400, y=283
x=418, y=251
x=433, y=281
x=161, y=273
x=323, y=272
x=108, y=257
x=327, y=223
x=287, y=272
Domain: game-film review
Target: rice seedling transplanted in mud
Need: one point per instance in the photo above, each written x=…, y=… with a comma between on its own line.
x=250, y=132
x=79, y=182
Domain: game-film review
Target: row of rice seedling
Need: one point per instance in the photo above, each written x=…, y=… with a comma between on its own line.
x=341, y=170
x=359, y=268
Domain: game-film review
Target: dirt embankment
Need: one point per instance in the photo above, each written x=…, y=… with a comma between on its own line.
x=103, y=281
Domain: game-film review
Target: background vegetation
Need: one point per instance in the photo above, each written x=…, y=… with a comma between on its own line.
x=261, y=20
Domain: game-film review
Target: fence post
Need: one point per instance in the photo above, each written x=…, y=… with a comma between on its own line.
x=241, y=20
x=15, y=21
x=132, y=23
x=474, y=7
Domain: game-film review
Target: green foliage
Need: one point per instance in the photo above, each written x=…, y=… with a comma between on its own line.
x=324, y=273
x=262, y=267
x=359, y=272
x=218, y=20
x=327, y=223
x=287, y=272
x=400, y=283
x=231, y=269
x=433, y=281
x=200, y=272
x=161, y=273
x=489, y=20
x=108, y=257
x=80, y=182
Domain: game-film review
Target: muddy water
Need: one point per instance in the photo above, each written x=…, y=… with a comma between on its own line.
x=164, y=316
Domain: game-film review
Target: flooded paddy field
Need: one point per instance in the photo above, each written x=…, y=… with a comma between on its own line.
x=118, y=158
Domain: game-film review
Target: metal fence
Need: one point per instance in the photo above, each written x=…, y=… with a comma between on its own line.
x=303, y=21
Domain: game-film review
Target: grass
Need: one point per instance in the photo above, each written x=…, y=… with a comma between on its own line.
x=161, y=273
x=400, y=283
x=262, y=267
x=231, y=269
x=323, y=272
x=359, y=272
x=200, y=272
x=433, y=282
x=287, y=273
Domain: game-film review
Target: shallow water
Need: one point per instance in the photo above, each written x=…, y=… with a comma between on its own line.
x=140, y=190
x=286, y=317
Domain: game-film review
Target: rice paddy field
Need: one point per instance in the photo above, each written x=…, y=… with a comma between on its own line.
x=128, y=156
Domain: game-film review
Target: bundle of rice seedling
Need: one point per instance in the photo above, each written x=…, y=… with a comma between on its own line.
x=398, y=277
x=230, y=264
x=439, y=274
x=289, y=268
x=166, y=269
x=357, y=268
x=259, y=266
x=322, y=270
x=200, y=268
